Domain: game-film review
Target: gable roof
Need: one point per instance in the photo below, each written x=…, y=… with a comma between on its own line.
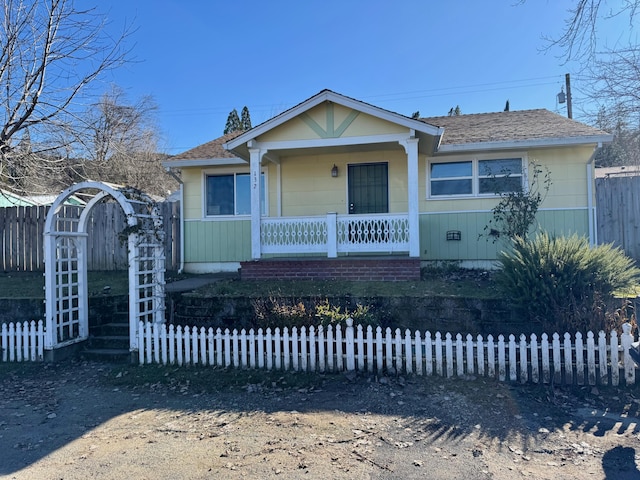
x=512, y=129
x=458, y=133
x=331, y=96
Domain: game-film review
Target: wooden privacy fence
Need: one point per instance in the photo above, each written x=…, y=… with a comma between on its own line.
x=618, y=204
x=561, y=359
x=22, y=342
x=22, y=228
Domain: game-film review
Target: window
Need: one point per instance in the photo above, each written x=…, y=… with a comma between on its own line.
x=231, y=194
x=500, y=176
x=452, y=178
x=476, y=177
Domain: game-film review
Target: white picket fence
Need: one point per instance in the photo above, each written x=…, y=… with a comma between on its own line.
x=563, y=360
x=22, y=342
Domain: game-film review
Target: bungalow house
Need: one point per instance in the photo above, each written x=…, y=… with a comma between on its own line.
x=338, y=187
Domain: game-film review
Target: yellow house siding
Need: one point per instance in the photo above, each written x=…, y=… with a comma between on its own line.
x=309, y=189
x=322, y=115
x=367, y=125
x=568, y=175
x=192, y=180
x=217, y=241
x=567, y=166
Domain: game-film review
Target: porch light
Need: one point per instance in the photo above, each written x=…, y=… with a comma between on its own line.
x=334, y=171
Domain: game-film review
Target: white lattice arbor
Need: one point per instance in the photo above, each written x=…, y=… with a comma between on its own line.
x=65, y=245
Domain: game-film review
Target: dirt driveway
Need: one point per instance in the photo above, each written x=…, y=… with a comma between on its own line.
x=86, y=420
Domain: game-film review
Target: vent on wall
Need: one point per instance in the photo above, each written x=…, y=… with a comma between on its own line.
x=454, y=235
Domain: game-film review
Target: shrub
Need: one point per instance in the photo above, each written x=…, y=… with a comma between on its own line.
x=515, y=214
x=286, y=312
x=564, y=283
x=332, y=315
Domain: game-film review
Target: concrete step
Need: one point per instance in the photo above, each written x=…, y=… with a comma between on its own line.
x=111, y=328
x=119, y=355
x=108, y=341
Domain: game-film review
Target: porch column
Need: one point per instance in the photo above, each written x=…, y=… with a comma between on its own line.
x=411, y=148
x=256, y=211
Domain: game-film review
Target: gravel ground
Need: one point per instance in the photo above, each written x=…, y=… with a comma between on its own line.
x=78, y=420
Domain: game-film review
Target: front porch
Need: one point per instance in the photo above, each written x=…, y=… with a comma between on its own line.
x=334, y=237
x=334, y=234
x=384, y=269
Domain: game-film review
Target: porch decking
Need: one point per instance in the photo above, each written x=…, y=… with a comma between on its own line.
x=350, y=268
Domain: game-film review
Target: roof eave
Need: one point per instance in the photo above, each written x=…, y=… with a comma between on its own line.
x=203, y=162
x=518, y=144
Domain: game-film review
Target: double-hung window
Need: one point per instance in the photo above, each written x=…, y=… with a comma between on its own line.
x=230, y=194
x=476, y=177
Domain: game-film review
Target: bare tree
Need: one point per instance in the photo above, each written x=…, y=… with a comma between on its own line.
x=579, y=39
x=609, y=74
x=51, y=53
x=121, y=144
x=625, y=148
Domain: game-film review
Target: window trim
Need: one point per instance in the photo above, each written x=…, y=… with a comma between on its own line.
x=222, y=172
x=475, y=183
x=458, y=195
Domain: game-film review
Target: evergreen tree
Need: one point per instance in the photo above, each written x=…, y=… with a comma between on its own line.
x=506, y=106
x=415, y=115
x=245, y=119
x=455, y=111
x=233, y=122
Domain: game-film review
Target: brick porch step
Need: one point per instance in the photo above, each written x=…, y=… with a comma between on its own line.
x=365, y=269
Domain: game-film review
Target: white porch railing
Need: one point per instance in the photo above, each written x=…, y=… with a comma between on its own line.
x=333, y=234
x=580, y=359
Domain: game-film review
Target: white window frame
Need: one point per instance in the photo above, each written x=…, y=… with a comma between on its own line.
x=224, y=172
x=475, y=184
x=457, y=195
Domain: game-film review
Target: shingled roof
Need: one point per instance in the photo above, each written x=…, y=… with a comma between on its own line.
x=209, y=150
x=512, y=126
x=459, y=131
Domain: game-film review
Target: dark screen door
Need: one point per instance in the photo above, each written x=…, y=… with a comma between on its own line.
x=368, y=188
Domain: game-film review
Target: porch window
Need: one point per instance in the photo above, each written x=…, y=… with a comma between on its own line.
x=231, y=194
x=476, y=177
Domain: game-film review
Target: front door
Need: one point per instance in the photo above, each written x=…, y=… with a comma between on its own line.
x=368, y=188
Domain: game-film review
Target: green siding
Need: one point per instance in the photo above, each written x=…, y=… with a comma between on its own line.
x=434, y=227
x=230, y=241
x=217, y=241
x=564, y=222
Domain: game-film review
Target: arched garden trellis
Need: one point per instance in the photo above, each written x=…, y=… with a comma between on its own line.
x=65, y=246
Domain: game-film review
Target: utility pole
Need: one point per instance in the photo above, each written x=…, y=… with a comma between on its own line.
x=569, y=109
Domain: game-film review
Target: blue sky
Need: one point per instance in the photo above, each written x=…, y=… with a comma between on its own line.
x=199, y=59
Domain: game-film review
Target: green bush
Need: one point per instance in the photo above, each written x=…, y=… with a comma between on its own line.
x=564, y=283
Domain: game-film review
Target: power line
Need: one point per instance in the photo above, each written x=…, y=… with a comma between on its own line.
x=490, y=84
x=400, y=96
